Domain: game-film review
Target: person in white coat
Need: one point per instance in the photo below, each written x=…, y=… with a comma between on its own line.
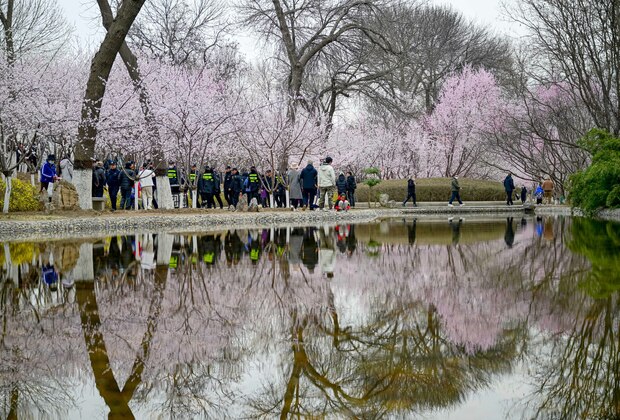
x=327, y=183
x=146, y=183
x=66, y=169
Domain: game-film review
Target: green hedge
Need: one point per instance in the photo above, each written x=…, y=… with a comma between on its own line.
x=598, y=186
x=436, y=189
x=24, y=197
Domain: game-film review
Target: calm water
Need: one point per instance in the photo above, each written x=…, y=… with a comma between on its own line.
x=463, y=319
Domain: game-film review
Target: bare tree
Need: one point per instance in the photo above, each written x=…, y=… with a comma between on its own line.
x=95, y=91
x=306, y=29
x=435, y=41
x=581, y=43
x=31, y=27
x=182, y=31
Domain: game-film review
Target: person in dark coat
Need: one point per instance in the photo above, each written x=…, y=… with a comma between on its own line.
x=523, y=194
x=351, y=187
x=509, y=186
x=206, y=186
x=253, y=185
x=48, y=173
x=228, y=187
x=411, y=192
x=126, y=182
x=112, y=180
x=280, y=192
x=341, y=184
x=98, y=179
x=217, y=194
x=309, y=182
x=236, y=185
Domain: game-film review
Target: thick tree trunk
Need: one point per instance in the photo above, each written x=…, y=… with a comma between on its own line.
x=95, y=89
x=164, y=193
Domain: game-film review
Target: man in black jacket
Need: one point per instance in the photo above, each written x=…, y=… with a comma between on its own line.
x=509, y=186
x=309, y=183
x=237, y=186
x=411, y=192
x=351, y=187
x=126, y=183
x=228, y=188
x=112, y=179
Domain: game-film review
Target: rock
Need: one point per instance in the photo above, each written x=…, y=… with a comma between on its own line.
x=65, y=196
x=242, y=205
x=384, y=200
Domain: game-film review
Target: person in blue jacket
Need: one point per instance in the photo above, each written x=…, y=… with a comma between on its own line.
x=48, y=173
x=509, y=186
x=309, y=182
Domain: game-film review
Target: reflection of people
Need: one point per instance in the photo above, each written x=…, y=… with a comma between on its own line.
x=548, y=230
x=327, y=253
x=411, y=231
x=310, y=250
x=509, y=236
x=539, y=226
x=456, y=230
x=351, y=241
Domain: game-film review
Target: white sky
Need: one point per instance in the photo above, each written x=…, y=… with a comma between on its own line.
x=84, y=16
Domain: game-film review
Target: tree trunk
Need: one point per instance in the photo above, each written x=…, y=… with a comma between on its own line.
x=7, y=193
x=100, y=68
x=164, y=193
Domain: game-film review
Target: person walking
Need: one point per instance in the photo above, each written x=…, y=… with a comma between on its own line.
x=146, y=182
x=98, y=179
x=294, y=185
x=309, y=182
x=351, y=187
x=253, y=185
x=206, y=186
x=538, y=193
x=228, y=187
x=217, y=192
x=411, y=192
x=547, y=187
x=523, y=194
x=237, y=187
x=456, y=191
x=327, y=184
x=509, y=187
x=126, y=182
x=112, y=180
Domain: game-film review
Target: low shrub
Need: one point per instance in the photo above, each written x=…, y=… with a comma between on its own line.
x=24, y=197
x=436, y=189
x=598, y=186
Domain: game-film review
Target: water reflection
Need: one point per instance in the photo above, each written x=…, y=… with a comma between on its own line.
x=395, y=318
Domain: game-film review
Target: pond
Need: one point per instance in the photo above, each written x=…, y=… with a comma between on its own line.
x=404, y=318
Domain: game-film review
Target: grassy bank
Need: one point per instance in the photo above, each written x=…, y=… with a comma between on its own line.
x=435, y=189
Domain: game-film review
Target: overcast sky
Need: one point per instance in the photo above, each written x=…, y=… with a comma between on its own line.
x=83, y=15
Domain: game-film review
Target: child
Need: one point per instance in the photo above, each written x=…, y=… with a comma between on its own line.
x=539, y=194
x=342, y=203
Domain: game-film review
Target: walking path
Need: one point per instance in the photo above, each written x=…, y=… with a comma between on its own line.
x=88, y=223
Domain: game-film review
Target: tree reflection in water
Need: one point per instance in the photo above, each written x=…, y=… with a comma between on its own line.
x=364, y=321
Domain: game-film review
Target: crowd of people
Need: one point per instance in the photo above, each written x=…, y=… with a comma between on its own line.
x=309, y=188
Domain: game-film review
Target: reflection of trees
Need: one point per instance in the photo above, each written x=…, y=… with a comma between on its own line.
x=420, y=326
x=579, y=374
x=117, y=399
